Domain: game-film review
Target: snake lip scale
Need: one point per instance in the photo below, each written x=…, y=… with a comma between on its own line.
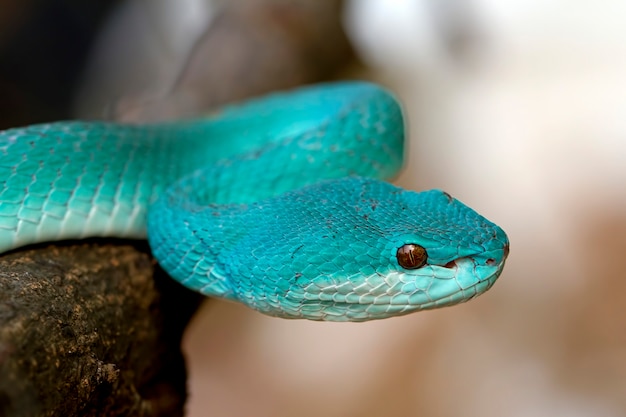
x=278, y=203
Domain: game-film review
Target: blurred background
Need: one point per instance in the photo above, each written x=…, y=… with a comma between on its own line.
x=516, y=108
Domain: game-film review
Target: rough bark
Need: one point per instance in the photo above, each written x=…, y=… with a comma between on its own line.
x=90, y=330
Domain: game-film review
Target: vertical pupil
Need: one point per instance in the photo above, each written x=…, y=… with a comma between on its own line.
x=411, y=256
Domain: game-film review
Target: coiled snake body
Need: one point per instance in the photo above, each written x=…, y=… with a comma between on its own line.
x=277, y=203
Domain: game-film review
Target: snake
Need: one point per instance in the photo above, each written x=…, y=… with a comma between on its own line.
x=281, y=202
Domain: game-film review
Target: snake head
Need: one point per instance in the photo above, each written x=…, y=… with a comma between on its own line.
x=358, y=249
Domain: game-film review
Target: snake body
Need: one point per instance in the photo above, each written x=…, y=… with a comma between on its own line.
x=277, y=203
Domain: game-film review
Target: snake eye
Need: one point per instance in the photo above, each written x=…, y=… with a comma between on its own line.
x=411, y=256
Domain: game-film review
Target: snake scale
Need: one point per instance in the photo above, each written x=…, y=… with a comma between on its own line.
x=278, y=203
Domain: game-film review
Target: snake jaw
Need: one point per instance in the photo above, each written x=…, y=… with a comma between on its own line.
x=402, y=291
x=398, y=293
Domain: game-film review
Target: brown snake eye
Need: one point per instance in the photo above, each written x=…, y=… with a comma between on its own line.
x=411, y=256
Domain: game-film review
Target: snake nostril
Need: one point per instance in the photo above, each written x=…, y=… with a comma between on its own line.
x=490, y=262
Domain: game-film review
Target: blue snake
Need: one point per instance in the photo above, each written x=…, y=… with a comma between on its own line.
x=278, y=203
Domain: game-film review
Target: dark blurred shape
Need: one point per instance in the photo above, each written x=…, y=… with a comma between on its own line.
x=43, y=45
x=250, y=48
x=459, y=28
x=287, y=42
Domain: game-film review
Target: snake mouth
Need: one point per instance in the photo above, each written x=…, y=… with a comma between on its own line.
x=341, y=311
x=383, y=306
